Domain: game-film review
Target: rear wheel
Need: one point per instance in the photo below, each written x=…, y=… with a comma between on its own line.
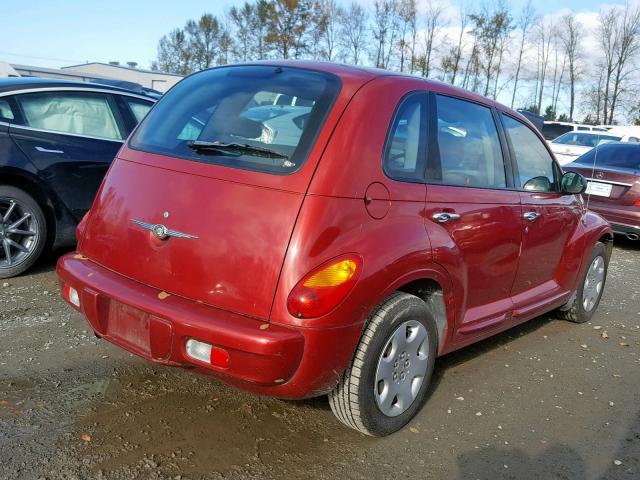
x=387, y=381
x=587, y=298
x=23, y=231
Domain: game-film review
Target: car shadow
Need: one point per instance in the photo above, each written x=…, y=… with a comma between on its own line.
x=558, y=461
x=624, y=243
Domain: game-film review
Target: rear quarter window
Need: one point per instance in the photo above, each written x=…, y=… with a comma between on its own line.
x=260, y=118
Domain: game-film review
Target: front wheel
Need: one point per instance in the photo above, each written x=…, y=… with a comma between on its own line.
x=386, y=384
x=589, y=292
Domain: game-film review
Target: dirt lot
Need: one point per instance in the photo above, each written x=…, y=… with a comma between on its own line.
x=549, y=399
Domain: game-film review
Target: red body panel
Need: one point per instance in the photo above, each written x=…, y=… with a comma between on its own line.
x=260, y=234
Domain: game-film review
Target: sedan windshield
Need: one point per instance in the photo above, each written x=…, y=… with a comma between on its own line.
x=585, y=139
x=262, y=118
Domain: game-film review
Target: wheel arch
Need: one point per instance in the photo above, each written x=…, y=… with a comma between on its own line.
x=434, y=287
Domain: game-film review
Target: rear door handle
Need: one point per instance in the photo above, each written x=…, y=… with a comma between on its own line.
x=531, y=216
x=444, y=217
x=48, y=150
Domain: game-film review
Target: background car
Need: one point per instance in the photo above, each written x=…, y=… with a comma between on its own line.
x=571, y=145
x=57, y=139
x=551, y=130
x=613, y=187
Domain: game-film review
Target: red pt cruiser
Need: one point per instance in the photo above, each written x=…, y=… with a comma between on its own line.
x=300, y=229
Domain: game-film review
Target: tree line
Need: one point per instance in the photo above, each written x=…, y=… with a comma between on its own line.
x=524, y=58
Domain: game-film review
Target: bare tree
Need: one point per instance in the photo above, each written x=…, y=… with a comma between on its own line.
x=385, y=30
x=354, y=32
x=407, y=14
x=608, y=37
x=174, y=54
x=204, y=40
x=288, y=21
x=545, y=32
x=243, y=19
x=327, y=18
x=627, y=50
x=489, y=28
x=434, y=23
x=524, y=23
x=571, y=36
x=451, y=61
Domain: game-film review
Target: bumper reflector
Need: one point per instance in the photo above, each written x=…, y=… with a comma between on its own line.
x=71, y=295
x=207, y=353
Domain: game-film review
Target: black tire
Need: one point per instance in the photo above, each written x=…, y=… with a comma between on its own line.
x=575, y=311
x=34, y=244
x=353, y=401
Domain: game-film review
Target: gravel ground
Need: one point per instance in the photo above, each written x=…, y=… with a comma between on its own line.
x=548, y=399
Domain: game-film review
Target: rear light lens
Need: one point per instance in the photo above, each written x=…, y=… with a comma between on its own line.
x=324, y=288
x=637, y=204
x=71, y=295
x=207, y=353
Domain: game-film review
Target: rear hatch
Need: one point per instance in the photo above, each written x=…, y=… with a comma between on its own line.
x=203, y=200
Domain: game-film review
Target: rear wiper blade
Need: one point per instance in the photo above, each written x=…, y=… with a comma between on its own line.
x=201, y=146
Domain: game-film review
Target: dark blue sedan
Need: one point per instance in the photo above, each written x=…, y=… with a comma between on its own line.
x=57, y=139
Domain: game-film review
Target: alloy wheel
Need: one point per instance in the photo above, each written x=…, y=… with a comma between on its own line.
x=18, y=232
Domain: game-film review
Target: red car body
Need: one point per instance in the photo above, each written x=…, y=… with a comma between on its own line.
x=260, y=234
x=616, y=171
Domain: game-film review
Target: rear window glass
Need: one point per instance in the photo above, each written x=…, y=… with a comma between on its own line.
x=260, y=118
x=613, y=156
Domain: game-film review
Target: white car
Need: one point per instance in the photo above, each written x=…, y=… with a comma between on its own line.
x=571, y=145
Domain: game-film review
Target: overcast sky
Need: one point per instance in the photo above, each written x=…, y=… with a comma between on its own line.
x=55, y=33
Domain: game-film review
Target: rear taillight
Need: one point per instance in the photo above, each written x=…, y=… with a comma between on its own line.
x=324, y=288
x=637, y=204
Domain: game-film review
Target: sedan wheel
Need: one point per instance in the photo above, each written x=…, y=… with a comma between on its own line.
x=22, y=231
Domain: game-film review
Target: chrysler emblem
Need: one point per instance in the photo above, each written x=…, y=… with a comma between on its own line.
x=161, y=232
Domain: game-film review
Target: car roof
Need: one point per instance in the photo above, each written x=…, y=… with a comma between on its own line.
x=26, y=83
x=366, y=74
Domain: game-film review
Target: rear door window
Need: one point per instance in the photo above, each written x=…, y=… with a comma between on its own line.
x=468, y=145
x=531, y=156
x=405, y=149
x=79, y=113
x=260, y=118
x=139, y=108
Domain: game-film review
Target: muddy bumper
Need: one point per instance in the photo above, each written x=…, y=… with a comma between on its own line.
x=157, y=326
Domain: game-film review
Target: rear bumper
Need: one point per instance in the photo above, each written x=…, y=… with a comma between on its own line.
x=156, y=327
x=623, y=219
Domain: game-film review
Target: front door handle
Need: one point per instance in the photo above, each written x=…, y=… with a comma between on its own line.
x=48, y=150
x=531, y=216
x=444, y=217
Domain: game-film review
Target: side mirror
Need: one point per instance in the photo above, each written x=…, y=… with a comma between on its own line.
x=538, y=184
x=573, y=183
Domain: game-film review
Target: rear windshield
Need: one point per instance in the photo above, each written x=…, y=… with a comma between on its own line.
x=585, y=139
x=260, y=118
x=613, y=156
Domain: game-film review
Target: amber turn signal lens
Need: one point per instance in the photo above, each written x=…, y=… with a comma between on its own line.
x=324, y=288
x=333, y=275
